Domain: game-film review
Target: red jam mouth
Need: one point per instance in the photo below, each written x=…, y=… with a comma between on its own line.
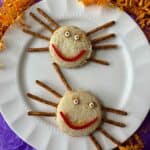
x=75, y=127
x=68, y=59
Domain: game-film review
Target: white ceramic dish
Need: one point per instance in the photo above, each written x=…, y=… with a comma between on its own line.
x=124, y=85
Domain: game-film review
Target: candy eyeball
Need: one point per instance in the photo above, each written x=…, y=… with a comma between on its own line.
x=67, y=34
x=76, y=101
x=76, y=37
x=91, y=105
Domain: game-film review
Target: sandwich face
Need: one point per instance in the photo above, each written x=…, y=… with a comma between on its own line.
x=79, y=113
x=70, y=47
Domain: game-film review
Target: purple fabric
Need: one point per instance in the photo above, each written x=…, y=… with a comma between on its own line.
x=9, y=140
x=1, y=2
x=144, y=133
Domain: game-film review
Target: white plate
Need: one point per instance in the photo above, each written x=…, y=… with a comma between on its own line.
x=124, y=85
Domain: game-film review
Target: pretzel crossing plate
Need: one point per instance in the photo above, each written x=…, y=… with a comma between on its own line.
x=124, y=84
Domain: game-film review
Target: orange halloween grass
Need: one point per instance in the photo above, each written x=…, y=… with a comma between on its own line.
x=68, y=87
x=140, y=9
x=10, y=11
x=98, y=2
x=2, y=46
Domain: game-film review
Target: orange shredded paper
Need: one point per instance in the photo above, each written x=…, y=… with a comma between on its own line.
x=140, y=9
x=10, y=11
x=2, y=46
x=98, y=2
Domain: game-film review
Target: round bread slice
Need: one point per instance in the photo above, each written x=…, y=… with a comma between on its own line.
x=79, y=113
x=70, y=47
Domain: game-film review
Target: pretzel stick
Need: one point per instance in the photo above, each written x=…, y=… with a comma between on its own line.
x=49, y=89
x=115, y=111
x=109, y=136
x=97, y=145
x=41, y=100
x=41, y=22
x=62, y=77
x=42, y=49
x=36, y=34
x=35, y=113
x=24, y=25
x=99, y=47
x=115, y=123
x=103, y=38
x=102, y=62
x=47, y=17
x=104, y=26
x=1, y=66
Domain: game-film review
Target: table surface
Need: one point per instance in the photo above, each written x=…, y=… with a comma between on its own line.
x=139, y=141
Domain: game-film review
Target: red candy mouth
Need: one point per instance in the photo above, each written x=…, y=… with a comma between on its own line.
x=76, y=127
x=68, y=59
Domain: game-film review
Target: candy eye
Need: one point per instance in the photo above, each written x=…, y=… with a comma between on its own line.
x=91, y=105
x=76, y=101
x=67, y=34
x=76, y=37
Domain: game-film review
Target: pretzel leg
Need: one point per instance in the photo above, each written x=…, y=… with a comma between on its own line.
x=102, y=62
x=115, y=111
x=59, y=72
x=40, y=49
x=46, y=16
x=41, y=22
x=37, y=35
x=95, y=142
x=49, y=89
x=105, y=47
x=106, y=134
x=103, y=38
x=104, y=26
x=41, y=114
x=24, y=25
x=41, y=100
x=115, y=123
